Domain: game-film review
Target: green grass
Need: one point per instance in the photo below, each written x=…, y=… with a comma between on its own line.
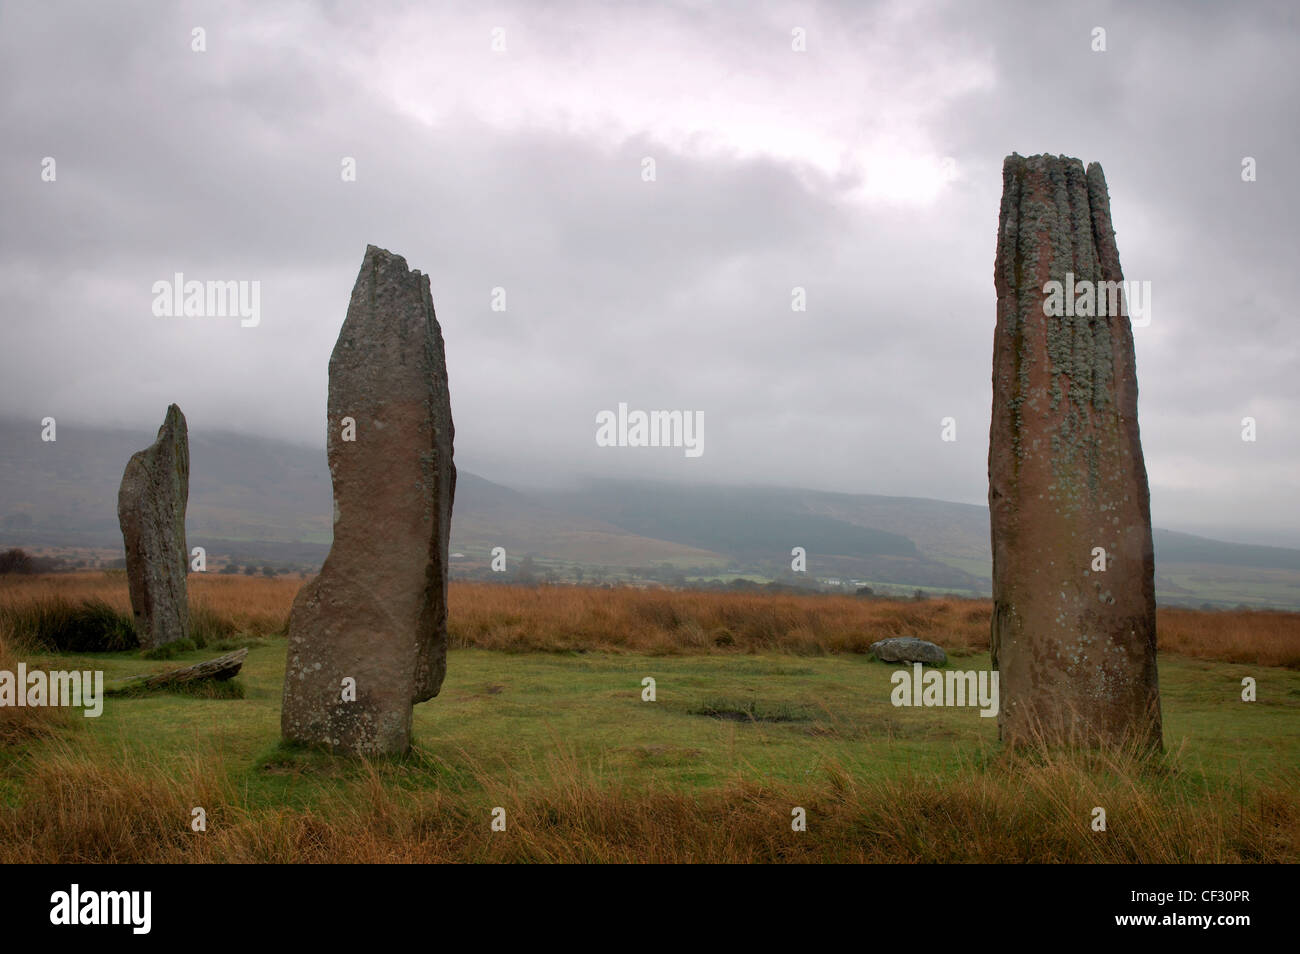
x=1229, y=586
x=901, y=591
x=172, y=650
x=753, y=709
x=981, y=567
x=499, y=714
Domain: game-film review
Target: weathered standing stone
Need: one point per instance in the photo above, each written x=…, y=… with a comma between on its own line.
x=1076, y=647
x=151, y=511
x=376, y=616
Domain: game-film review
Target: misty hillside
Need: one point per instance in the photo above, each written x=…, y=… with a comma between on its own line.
x=257, y=499
x=248, y=490
x=732, y=518
x=760, y=527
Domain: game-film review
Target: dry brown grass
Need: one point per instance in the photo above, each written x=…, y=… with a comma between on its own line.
x=248, y=604
x=1266, y=637
x=554, y=618
x=563, y=618
x=19, y=724
x=73, y=805
x=558, y=618
x=1018, y=810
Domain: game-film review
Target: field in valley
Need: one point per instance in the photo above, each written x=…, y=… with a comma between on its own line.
x=764, y=704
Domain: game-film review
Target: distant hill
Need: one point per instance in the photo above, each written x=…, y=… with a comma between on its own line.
x=1174, y=547
x=253, y=499
x=486, y=515
x=760, y=526
x=241, y=488
x=269, y=500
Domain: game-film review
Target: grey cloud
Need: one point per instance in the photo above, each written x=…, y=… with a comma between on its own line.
x=671, y=294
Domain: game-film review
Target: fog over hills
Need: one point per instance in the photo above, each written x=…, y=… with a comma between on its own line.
x=863, y=173
x=256, y=499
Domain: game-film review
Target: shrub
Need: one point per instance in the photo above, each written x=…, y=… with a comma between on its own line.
x=16, y=561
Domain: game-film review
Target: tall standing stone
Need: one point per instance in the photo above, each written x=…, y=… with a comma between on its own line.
x=151, y=505
x=1075, y=645
x=368, y=636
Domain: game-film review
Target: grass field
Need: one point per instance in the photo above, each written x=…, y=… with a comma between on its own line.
x=1229, y=585
x=764, y=704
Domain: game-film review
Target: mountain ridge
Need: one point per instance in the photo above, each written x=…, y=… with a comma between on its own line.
x=274, y=497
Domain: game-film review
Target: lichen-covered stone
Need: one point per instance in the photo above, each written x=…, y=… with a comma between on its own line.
x=1076, y=647
x=909, y=649
x=374, y=622
x=151, y=504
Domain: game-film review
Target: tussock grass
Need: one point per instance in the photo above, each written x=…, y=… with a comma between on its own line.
x=60, y=624
x=209, y=626
x=710, y=772
x=126, y=811
x=568, y=619
x=91, y=612
x=427, y=808
x=1265, y=637
x=20, y=724
x=227, y=611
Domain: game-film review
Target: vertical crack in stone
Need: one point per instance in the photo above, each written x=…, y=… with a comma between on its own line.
x=1075, y=647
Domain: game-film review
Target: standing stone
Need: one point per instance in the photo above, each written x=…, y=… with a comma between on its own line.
x=368, y=636
x=1076, y=646
x=151, y=510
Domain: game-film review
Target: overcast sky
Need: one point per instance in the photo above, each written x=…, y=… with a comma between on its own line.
x=865, y=169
